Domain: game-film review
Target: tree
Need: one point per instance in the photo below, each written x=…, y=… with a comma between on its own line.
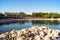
x=23, y=15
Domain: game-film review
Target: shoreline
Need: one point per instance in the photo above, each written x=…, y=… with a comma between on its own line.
x=35, y=33
x=29, y=19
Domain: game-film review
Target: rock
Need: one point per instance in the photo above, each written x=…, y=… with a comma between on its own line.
x=37, y=37
x=13, y=33
x=2, y=35
x=49, y=38
x=33, y=33
x=41, y=33
x=22, y=38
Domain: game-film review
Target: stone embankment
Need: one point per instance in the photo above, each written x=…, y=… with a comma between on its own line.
x=33, y=33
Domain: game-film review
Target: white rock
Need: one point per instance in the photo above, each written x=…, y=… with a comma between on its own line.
x=37, y=32
x=2, y=35
x=47, y=38
x=21, y=38
x=41, y=33
x=37, y=37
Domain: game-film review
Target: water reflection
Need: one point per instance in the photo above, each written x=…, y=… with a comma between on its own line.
x=46, y=22
x=7, y=23
x=22, y=22
x=8, y=26
x=55, y=22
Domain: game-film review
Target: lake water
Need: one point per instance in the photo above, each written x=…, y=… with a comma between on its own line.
x=18, y=25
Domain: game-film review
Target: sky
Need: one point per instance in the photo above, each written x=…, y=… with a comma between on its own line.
x=29, y=6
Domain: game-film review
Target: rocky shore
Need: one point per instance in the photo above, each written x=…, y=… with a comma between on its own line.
x=33, y=33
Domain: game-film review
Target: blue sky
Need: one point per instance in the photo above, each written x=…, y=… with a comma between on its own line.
x=29, y=6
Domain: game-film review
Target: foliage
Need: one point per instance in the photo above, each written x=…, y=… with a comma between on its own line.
x=34, y=14
x=46, y=15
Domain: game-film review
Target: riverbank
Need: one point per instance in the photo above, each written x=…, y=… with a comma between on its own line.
x=29, y=19
x=33, y=33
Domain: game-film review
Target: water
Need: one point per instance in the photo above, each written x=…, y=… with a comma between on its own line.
x=18, y=25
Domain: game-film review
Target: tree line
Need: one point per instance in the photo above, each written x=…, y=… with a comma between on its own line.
x=46, y=15
x=24, y=15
